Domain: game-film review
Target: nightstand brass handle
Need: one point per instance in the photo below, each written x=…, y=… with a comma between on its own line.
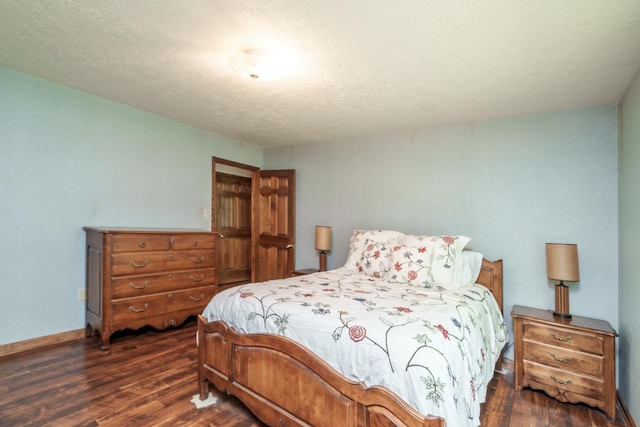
x=196, y=260
x=144, y=264
x=561, y=359
x=133, y=285
x=568, y=338
x=136, y=310
x=290, y=246
x=193, y=279
x=196, y=299
x=553, y=377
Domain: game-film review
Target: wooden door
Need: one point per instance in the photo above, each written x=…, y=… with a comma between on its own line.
x=233, y=225
x=273, y=224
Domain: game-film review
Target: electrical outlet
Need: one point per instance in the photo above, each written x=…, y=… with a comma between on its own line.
x=82, y=294
x=205, y=213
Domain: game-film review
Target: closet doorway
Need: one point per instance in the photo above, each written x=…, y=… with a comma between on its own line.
x=253, y=213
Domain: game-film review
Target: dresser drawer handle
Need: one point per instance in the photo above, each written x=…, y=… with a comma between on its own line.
x=568, y=338
x=553, y=377
x=196, y=261
x=195, y=243
x=144, y=286
x=132, y=263
x=196, y=299
x=142, y=244
x=193, y=279
x=136, y=310
x=561, y=359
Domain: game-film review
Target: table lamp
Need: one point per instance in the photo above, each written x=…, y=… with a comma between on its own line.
x=323, y=244
x=562, y=265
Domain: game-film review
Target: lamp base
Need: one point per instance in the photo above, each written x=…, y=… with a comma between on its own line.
x=562, y=301
x=562, y=315
x=323, y=261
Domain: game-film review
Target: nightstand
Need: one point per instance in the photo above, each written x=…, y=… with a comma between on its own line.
x=570, y=359
x=304, y=271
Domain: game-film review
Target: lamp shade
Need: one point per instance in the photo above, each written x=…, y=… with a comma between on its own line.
x=562, y=262
x=323, y=238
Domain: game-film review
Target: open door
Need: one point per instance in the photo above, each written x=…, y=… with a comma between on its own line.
x=253, y=214
x=273, y=227
x=231, y=220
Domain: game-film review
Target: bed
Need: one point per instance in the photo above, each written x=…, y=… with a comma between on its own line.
x=395, y=337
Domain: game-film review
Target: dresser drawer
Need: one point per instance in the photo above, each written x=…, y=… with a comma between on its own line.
x=194, y=241
x=153, y=262
x=140, y=242
x=134, y=286
x=566, y=382
x=134, y=309
x=565, y=359
x=565, y=338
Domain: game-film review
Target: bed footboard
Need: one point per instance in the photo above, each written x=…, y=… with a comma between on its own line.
x=284, y=384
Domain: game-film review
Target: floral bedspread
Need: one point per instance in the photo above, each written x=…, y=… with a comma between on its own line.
x=435, y=348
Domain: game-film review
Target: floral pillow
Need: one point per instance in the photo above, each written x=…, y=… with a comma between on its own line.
x=358, y=239
x=437, y=261
x=375, y=259
x=411, y=266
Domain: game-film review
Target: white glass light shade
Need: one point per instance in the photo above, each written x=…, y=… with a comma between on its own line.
x=251, y=64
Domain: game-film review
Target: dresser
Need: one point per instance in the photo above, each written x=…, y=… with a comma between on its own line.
x=138, y=277
x=570, y=359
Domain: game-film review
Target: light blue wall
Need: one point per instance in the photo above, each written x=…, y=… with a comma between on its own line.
x=629, y=371
x=69, y=159
x=510, y=184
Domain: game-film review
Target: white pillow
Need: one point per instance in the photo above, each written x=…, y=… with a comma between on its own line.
x=471, y=265
x=358, y=239
x=375, y=260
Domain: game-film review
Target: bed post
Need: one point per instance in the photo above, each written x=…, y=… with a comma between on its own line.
x=203, y=384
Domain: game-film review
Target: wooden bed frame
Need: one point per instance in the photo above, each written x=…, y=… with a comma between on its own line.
x=284, y=384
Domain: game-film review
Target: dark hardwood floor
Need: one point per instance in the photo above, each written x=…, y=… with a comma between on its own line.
x=147, y=378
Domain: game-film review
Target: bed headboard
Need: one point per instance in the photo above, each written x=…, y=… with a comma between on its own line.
x=491, y=277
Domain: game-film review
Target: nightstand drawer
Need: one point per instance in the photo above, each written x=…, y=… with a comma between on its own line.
x=563, y=337
x=566, y=382
x=565, y=359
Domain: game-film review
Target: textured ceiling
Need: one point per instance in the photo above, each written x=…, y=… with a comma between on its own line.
x=354, y=67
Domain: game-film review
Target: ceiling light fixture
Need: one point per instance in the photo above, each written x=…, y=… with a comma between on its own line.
x=251, y=64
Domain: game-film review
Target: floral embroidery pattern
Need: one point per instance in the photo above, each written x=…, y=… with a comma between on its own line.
x=448, y=242
x=412, y=266
x=430, y=264
x=386, y=323
x=375, y=259
x=357, y=333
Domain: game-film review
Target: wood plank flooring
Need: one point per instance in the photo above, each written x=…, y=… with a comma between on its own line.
x=147, y=378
